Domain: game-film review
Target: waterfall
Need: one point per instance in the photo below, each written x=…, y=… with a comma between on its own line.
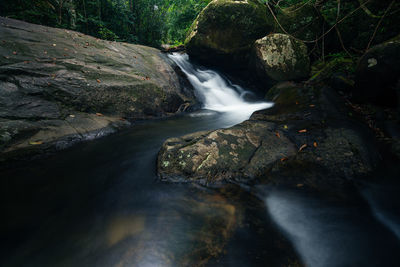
x=215, y=92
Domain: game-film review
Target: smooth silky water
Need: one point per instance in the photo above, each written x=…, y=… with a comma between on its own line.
x=100, y=204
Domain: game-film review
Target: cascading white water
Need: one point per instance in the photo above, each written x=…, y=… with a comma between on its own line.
x=215, y=92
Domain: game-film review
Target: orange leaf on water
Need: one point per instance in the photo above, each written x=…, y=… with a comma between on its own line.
x=311, y=106
x=302, y=147
x=99, y=114
x=98, y=80
x=277, y=134
x=303, y=131
x=284, y=159
x=315, y=144
x=35, y=142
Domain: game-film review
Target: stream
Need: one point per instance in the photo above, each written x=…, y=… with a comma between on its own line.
x=100, y=204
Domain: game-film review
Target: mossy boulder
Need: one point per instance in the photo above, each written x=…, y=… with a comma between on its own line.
x=308, y=139
x=225, y=31
x=281, y=58
x=378, y=74
x=242, y=152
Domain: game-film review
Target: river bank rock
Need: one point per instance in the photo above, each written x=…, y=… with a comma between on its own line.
x=53, y=82
x=281, y=57
x=225, y=31
x=307, y=139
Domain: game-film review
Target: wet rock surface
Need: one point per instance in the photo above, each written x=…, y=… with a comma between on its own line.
x=308, y=139
x=54, y=81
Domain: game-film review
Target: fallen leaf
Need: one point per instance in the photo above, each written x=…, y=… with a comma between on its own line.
x=54, y=45
x=87, y=44
x=66, y=49
x=303, y=131
x=300, y=185
x=285, y=126
x=35, y=142
x=297, y=102
x=277, y=135
x=6, y=57
x=72, y=116
x=14, y=52
x=284, y=159
x=98, y=80
x=311, y=106
x=53, y=76
x=99, y=114
x=302, y=147
x=315, y=144
x=45, y=52
x=54, y=59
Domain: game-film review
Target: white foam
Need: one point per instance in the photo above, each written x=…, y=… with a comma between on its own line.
x=215, y=92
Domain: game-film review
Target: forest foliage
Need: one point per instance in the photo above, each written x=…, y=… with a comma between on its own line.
x=154, y=22
x=148, y=22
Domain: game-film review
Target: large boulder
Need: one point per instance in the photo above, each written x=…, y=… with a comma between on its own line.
x=281, y=57
x=54, y=81
x=378, y=73
x=225, y=30
x=307, y=139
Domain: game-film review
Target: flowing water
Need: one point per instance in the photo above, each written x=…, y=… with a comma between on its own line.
x=100, y=204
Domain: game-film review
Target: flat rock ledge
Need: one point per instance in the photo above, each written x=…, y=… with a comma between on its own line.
x=58, y=87
x=308, y=139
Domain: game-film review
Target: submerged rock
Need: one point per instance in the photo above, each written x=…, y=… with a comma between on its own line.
x=54, y=81
x=225, y=31
x=281, y=57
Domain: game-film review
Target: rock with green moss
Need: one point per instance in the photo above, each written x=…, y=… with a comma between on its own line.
x=242, y=152
x=281, y=58
x=54, y=81
x=226, y=29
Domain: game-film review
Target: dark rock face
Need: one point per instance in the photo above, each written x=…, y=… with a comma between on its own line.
x=378, y=74
x=54, y=81
x=306, y=139
x=225, y=30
